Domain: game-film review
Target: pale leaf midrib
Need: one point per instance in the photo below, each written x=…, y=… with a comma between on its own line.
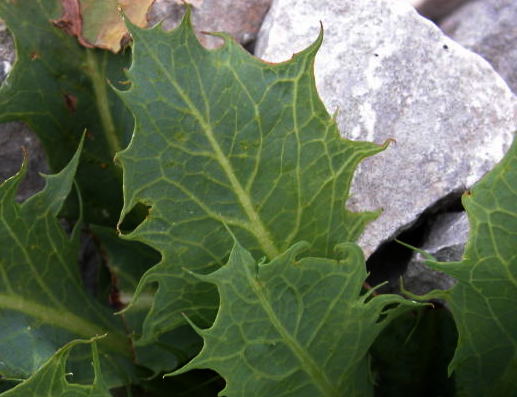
x=299, y=209
x=258, y=120
x=209, y=213
x=102, y=102
x=28, y=260
x=262, y=234
x=306, y=361
x=64, y=319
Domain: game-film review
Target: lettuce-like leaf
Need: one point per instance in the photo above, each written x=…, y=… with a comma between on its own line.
x=223, y=139
x=293, y=327
x=43, y=303
x=484, y=301
x=59, y=89
x=50, y=379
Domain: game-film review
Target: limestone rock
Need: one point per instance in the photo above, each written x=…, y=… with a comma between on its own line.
x=6, y=52
x=14, y=138
x=448, y=236
x=391, y=73
x=242, y=19
x=446, y=243
x=421, y=279
x=435, y=10
x=488, y=28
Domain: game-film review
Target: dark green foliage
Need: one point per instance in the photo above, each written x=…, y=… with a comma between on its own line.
x=412, y=354
x=224, y=140
x=226, y=148
x=60, y=89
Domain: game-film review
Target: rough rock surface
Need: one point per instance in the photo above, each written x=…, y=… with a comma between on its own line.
x=15, y=136
x=242, y=19
x=435, y=10
x=393, y=74
x=6, y=52
x=446, y=243
x=489, y=28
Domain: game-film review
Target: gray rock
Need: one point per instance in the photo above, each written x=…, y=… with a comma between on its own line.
x=435, y=10
x=489, y=28
x=421, y=279
x=447, y=237
x=393, y=74
x=14, y=137
x=242, y=19
x=7, y=54
x=446, y=243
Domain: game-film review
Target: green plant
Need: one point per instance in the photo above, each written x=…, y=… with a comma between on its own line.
x=244, y=176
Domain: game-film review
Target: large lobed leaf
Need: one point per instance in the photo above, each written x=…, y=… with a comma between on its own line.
x=60, y=88
x=50, y=379
x=484, y=301
x=294, y=327
x=43, y=303
x=223, y=139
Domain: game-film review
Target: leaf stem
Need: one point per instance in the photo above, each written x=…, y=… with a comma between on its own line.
x=64, y=319
x=257, y=227
x=300, y=352
x=101, y=95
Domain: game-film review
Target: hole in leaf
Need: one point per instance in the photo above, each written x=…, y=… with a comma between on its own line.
x=135, y=217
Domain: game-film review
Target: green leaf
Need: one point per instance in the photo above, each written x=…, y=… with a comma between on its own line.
x=223, y=139
x=50, y=379
x=294, y=327
x=412, y=354
x=43, y=303
x=127, y=261
x=60, y=88
x=484, y=301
